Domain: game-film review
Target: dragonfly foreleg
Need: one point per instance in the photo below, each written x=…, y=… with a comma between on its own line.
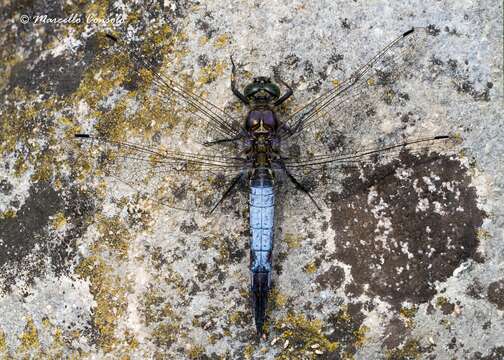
x=237, y=92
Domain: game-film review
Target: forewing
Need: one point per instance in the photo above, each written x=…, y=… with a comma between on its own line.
x=209, y=121
x=353, y=100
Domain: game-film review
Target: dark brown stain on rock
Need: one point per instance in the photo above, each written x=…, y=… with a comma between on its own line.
x=332, y=278
x=400, y=234
x=395, y=333
x=475, y=290
x=26, y=242
x=344, y=329
x=495, y=294
x=497, y=353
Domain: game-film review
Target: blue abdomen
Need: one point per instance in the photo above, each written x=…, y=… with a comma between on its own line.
x=262, y=202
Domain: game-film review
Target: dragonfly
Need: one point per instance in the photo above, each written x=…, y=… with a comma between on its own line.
x=262, y=158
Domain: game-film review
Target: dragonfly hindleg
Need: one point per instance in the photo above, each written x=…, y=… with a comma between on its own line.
x=299, y=186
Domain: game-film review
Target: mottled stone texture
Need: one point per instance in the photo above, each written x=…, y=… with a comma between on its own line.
x=405, y=261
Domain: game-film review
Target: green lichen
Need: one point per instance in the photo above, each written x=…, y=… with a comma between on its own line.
x=360, y=336
x=23, y=134
x=351, y=334
x=29, y=338
x=409, y=351
x=408, y=314
x=4, y=352
x=293, y=241
x=301, y=338
x=222, y=41
x=58, y=220
x=240, y=318
x=110, y=295
x=8, y=214
x=160, y=316
x=211, y=72
x=483, y=235
x=441, y=301
x=311, y=267
x=278, y=299
x=155, y=308
x=195, y=352
x=115, y=235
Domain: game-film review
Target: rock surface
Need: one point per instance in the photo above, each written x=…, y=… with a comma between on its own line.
x=405, y=261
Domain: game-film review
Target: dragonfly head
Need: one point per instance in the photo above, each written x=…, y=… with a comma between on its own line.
x=262, y=90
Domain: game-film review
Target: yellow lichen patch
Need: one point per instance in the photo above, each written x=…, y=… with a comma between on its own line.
x=360, y=336
x=57, y=347
x=195, y=352
x=58, y=220
x=221, y=41
x=410, y=350
x=211, y=72
x=279, y=299
x=202, y=40
x=3, y=343
x=343, y=314
x=248, y=352
x=483, y=234
x=165, y=334
x=97, y=9
x=155, y=308
x=22, y=133
x=100, y=80
x=110, y=296
x=293, y=241
x=161, y=39
x=441, y=301
x=114, y=236
x=8, y=214
x=301, y=338
x=240, y=318
x=29, y=338
x=311, y=267
x=408, y=315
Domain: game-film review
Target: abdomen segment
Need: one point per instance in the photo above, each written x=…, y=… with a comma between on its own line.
x=262, y=201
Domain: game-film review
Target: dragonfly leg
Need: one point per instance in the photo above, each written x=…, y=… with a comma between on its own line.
x=231, y=187
x=285, y=96
x=237, y=92
x=298, y=185
x=220, y=141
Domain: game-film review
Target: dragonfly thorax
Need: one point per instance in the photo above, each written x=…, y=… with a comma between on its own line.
x=261, y=121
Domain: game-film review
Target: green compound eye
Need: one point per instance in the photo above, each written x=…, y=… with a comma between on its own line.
x=273, y=89
x=261, y=84
x=251, y=89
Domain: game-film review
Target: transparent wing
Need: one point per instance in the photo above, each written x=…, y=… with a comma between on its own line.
x=178, y=180
x=322, y=121
x=320, y=174
x=213, y=122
